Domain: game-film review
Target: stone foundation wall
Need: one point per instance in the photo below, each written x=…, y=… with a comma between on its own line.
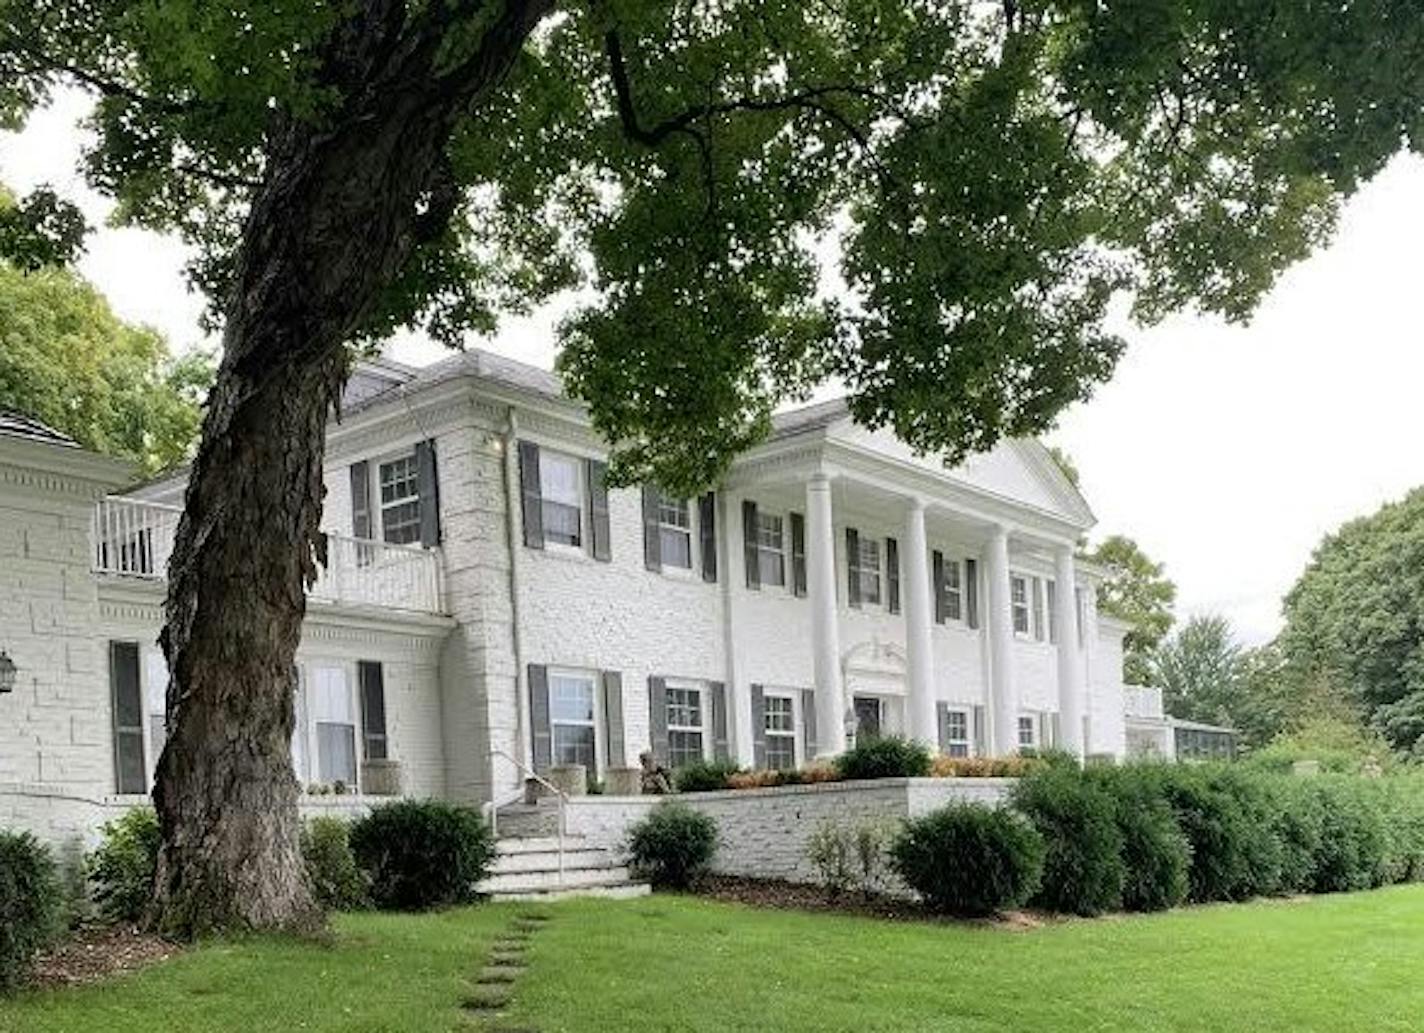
x=763, y=832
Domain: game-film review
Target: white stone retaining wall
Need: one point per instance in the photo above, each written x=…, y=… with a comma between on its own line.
x=763, y=832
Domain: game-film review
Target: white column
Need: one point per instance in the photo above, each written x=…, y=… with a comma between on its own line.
x=1003, y=694
x=825, y=627
x=918, y=619
x=1070, y=663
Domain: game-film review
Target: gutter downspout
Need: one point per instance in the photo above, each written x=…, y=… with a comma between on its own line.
x=514, y=544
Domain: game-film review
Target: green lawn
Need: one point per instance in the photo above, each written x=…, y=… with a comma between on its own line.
x=667, y=963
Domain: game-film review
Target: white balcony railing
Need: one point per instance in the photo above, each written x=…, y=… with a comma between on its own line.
x=133, y=538
x=1141, y=701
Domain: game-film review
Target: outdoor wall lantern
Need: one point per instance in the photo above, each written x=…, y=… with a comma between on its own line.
x=7, y=672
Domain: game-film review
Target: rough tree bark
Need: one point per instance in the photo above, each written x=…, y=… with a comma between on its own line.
x=341, y=207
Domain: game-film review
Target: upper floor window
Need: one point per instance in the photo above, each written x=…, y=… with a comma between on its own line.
x=675, y=532
x=400, y=500
x=771, y=549
x=561, y=494
x=869, y=557
x=1018, y=598
x=779, y=726
x=953, y=591
x=686, y=726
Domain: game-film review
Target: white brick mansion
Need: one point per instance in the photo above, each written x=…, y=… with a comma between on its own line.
x=489, y=600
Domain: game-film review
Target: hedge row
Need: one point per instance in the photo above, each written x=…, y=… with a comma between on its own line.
x=1147, y=837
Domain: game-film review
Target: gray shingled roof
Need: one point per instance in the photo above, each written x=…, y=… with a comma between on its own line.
x=478, y=363
x=16, y=424
x=816, y=416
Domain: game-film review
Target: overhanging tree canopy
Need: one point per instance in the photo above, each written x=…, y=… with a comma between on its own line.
x=993, y=175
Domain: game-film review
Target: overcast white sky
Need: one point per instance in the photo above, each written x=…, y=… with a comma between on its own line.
x=1227, y=452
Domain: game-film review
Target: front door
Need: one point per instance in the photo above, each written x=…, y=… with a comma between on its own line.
x=867, y=718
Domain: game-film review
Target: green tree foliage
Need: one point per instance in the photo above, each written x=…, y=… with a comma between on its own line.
x=66, y=359
x=1136, y=590
x=994, y=174
x=1199, y=669
x=42, y=230
x=1355, y=619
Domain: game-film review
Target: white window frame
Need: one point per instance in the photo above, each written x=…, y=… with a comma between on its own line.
x=1019, y=605
x=151, y=661
x=793, y=733
x=547, y=458
x=690, y=531
x=306, y=715
x=868, y=574
x=953, y=589
x=1031, y=727
x=703, y=729
x=951, y=742
x=776, y=552
x=595, y=721
x=381, y=505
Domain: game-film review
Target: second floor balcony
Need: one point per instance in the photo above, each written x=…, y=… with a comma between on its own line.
x=134, y=538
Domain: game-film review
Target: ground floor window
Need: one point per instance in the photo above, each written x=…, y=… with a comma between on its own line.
x=372, y=678
x=686, y=725
x=779, y=726
x=334, y=716
x=956, y=733
x=1026, y=732
x=572, y=719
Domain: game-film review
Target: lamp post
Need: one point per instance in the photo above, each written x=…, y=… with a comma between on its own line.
x=7, y=672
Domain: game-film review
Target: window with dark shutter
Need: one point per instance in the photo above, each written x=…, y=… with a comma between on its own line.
x=749, y=543
x=531, y=504
x=853, y=566
x=971, y=591
x=937, y=567
x=129, y=767
x=599, y=530
x=541, y=732
x=707, y=534
x=372, y=679
x=428, y=487
x=798, y=554
x=361, y=500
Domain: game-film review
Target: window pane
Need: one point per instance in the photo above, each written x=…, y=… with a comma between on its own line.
x=771, y=567
x=400, y=501
x=128, y=747
x=574, y=744
x=676, y=548
x=674, y=513
x=559, y=479
x=562, y=523
x=1025, y=731
x=684, y=708
x=779, y=714
x=571, y=699
x=780, y=752
x=336, y=753
x=684, y=748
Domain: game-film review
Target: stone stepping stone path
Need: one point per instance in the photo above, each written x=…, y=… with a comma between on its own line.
x=493, y=987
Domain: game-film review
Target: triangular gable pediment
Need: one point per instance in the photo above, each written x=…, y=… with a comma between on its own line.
x=1019, y=469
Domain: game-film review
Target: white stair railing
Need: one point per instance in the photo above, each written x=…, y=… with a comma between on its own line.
x=492, y=808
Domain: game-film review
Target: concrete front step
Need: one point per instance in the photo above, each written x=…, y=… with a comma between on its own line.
x=622, y=890
x=537, y=844
x=550, y=879
x=548, y=860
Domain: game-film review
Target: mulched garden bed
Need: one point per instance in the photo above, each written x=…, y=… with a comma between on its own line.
x=795, y=896
x=92, y=954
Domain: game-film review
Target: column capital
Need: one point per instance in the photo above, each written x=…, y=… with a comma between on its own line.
x=819, y=479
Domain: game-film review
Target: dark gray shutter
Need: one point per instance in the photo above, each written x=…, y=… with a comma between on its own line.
x=853, y=566
x=758, y=727
x=808, y=724
x=1049, y=588
x=542, y=735
x=979, y=732
x=361, y=499
x=892, y=574
x=657, y=718
x=749, y=543
x=721, y=748
x=707, y=532
x=531, y=501
x=971, y=592
x=130, y=772
x=652, y=536
x=428, y=485
x=937, y=566
x=598, y=510
x=798, y=555
x=942, y=723
x=371, y=676
x=615, y=750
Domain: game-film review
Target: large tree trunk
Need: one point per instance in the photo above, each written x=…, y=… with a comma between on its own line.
x=332, y=225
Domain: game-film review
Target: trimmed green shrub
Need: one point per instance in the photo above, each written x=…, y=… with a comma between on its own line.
x=1083, y=871
x=704, y=776
x=1402, y=801
x=850, y=855
x=121, y=868
x=1155, y=853
x=968, y=859
x=419, y=854
x=1299, y=821
x=1227, y=818
x=673, y=845
x=31, y=904
x=336, y=881
x=886, y=757
x=1353, y=841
